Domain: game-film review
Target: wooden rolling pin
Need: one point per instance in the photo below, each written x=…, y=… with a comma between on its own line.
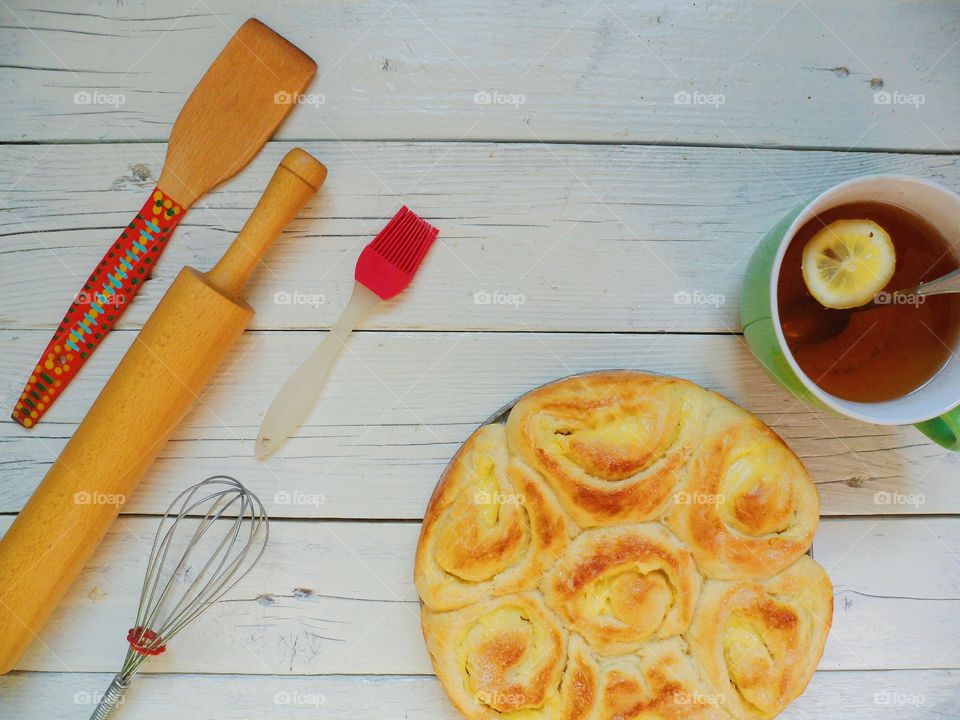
x=163, y=372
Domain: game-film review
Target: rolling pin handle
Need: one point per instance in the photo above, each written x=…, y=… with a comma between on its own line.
x=295, y=181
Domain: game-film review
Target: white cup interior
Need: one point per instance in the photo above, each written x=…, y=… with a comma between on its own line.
x=941, y=208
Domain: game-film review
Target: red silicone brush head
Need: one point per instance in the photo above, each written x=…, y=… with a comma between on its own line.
x=387, y=265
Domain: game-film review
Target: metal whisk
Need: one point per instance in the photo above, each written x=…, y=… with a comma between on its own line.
x=229, y=537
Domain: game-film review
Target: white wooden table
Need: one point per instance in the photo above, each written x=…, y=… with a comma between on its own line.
x=628, y=152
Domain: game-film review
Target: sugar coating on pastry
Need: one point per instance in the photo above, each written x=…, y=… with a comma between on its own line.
x=659, y=681
x=610, y=444
x=759, y=641
x=510, y=657
x=492, y=527
x=746, y=506
x=620, y=586
x=626, y=546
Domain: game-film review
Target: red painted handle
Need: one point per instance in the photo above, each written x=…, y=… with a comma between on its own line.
x=101, y=301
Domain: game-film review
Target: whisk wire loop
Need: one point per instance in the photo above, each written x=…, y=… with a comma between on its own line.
x=186, y=573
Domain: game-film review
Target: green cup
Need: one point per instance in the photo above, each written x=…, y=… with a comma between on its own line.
x=933, y=408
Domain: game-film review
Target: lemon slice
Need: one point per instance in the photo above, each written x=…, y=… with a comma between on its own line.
x=848, y=262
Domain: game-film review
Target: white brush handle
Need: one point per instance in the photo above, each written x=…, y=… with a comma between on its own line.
x=299, y=393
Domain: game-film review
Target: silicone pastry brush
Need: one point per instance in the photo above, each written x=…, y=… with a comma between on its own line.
x=385, y=267
x=232, y=112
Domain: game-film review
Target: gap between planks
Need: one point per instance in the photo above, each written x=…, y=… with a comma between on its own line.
x=528, y=141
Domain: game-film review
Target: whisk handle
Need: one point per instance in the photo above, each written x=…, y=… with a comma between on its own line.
x=112, y=698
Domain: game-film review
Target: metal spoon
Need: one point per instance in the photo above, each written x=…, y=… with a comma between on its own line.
x=805, y=321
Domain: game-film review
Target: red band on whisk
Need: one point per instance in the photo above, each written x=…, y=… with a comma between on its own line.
x=141, y=641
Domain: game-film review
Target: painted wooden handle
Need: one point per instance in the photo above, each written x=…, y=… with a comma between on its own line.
x=295, y=181
x=95, y=309
x=161, y=375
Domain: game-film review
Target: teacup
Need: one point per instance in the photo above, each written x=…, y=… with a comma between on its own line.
x=934, y=408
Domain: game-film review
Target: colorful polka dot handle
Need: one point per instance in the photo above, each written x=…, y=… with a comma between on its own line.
x=99, y=304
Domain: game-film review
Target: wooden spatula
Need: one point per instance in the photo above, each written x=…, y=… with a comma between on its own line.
x=238, y=104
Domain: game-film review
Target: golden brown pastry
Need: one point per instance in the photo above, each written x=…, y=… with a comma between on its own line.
x=660, y=682
x=627, y=547
x=510, y=658
x=759, y=641
x=747, y=507
x=611, y=444
x=492, y=527
x=623, y=585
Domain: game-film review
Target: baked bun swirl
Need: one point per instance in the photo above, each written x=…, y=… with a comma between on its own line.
x=492, y=527
x=623, y=585
x=759, y=641
x=747, y=507
x=660, y=682
x=611, y=444
x=510, y=658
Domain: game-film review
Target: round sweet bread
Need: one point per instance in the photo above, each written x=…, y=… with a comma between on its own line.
x=626, y=546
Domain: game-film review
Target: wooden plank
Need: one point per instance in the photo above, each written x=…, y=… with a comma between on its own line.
x=896, y=586
x=338, y=598
x=399, y=404
x=776, y=73
x=545, y=237
x=920, y=694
